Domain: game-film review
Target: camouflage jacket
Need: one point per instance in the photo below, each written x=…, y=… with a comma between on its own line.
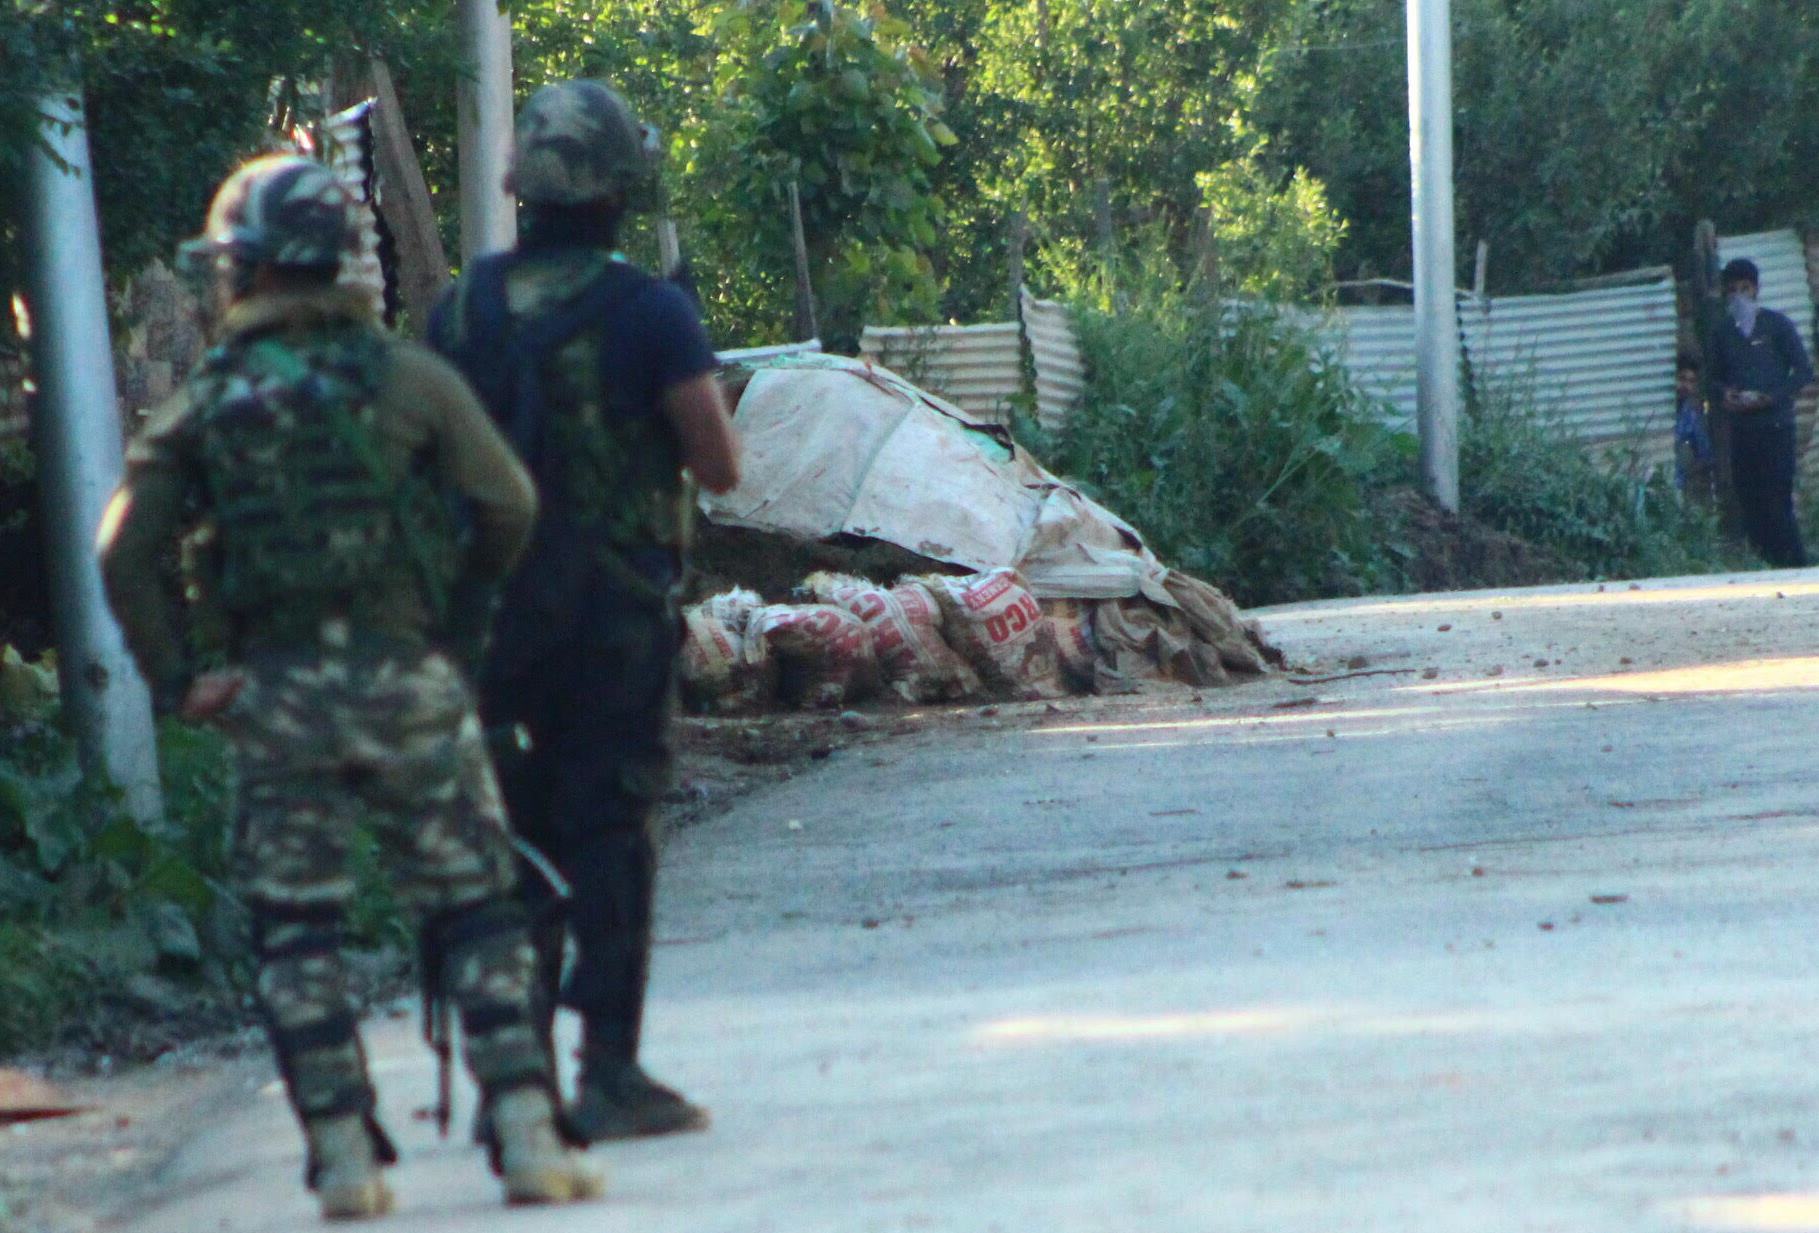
x=422, y=418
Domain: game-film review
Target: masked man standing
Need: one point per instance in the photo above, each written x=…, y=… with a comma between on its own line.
x=604, y=380
x=1758, y=366
x=312, y=457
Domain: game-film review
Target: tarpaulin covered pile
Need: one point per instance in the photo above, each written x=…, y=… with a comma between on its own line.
x=835, y=446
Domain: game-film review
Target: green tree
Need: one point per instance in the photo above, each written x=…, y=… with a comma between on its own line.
x=1590, y=134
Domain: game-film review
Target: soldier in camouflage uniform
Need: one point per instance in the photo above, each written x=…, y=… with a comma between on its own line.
x=604, y=380
x=310, y=458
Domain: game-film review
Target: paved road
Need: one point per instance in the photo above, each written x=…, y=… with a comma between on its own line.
x=1481, y=943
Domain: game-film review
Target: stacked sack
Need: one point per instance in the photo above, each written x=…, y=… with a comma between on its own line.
x=914, y=660
x=824, y=653
x=1000, y=629
x=929, y=639
x=724, y=667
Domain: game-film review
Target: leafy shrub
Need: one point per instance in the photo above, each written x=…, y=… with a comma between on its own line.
x=1237, y=444
x=91, y=898
x=103, y=918
x=1521, y=472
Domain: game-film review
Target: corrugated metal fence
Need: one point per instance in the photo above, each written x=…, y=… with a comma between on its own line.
x=980, y=368
x=977, y=367
x=1055, y=353
x=1602, y=360
x=1376, y=343
x=348, y=136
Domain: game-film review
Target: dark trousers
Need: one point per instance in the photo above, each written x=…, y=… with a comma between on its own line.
x=595, y=693
x=1762, y=470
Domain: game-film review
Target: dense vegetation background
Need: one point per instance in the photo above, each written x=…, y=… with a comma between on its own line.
x=1270, y=135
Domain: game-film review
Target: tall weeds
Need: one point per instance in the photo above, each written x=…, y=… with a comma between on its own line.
x=1236, y=443
x=1230, y=435
x=1608, y=517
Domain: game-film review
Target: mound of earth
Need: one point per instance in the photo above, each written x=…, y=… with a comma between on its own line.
x=1456, y=552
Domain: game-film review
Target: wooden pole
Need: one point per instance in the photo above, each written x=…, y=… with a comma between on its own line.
x=669, y=247
x=1206, y=253
x=806, y=325
x=1102, y=217
x=1708, y=301
x=1015, y=242
x=404, y=202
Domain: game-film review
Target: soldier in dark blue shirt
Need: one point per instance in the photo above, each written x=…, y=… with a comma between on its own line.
x=604, y=380
x=1758, y=366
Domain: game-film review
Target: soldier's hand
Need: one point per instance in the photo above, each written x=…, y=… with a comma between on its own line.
x=210, y=694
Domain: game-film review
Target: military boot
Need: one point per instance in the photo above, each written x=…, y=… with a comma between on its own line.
x=534, y=1162
x=344, y=1169
x=617, y=1100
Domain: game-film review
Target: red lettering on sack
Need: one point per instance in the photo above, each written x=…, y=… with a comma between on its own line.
x=988, y=592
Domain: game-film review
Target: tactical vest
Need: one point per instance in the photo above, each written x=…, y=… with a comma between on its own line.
x=608, y=470
x=309, y=518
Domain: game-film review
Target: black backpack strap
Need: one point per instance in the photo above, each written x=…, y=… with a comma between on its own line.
x=486, y=329
x=502, y=356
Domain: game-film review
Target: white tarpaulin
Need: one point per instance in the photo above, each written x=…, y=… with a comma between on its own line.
x=836, y=446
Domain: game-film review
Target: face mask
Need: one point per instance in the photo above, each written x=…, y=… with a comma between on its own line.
x=1743, y=311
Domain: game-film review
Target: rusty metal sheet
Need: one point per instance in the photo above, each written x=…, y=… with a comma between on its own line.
x=1060, y=369
x=979, y=368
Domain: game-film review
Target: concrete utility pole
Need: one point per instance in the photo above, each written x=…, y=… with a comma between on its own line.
x=1430, y=114
x=489, y=214
x=77, y=438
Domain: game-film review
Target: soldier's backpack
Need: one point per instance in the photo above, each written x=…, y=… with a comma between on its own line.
x=505, y=358
x=308, y=516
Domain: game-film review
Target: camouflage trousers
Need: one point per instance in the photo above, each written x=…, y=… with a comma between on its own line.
x=326, y=739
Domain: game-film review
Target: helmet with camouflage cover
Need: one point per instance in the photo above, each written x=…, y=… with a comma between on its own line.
x=578, y=141
x=278, y=210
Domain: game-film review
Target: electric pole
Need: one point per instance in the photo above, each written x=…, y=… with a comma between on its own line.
x=76, y=435
x=1430, y=113
x=489, y=214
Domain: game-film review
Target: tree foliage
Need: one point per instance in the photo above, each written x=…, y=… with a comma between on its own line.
x=1265, y=137
x=1589, y=134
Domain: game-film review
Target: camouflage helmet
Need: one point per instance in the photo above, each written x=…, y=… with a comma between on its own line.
x=278, y=210
x=578, y=141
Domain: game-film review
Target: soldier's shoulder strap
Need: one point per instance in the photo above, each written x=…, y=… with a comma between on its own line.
x=489, y=330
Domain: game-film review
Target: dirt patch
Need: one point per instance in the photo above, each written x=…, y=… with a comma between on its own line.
x=1454, y=552
x=78, y=1174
